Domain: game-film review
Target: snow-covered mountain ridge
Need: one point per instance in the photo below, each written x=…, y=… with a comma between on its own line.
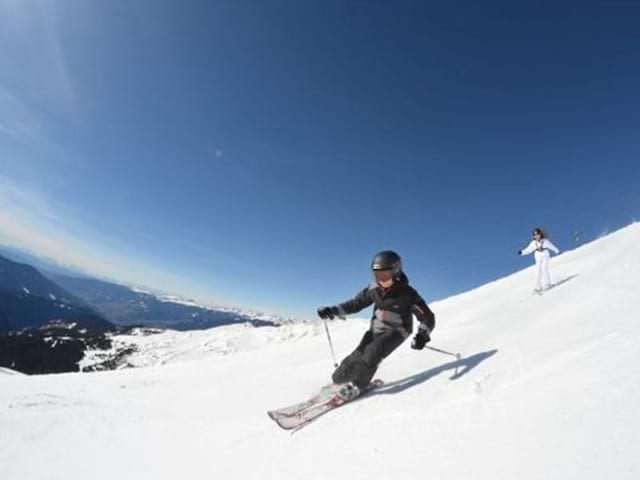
x=125, y=305
x=547, y=388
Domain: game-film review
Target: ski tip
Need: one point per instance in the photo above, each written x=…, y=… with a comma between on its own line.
x=273, y=417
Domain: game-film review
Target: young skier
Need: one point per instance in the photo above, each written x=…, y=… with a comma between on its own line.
x=395, y=303
x=541, y=246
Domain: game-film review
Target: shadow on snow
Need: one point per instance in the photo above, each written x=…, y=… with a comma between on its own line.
x=564, y=280
x=459, y=367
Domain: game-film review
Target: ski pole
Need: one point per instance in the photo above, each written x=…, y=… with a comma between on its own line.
x=333, y=354
x=457, y=355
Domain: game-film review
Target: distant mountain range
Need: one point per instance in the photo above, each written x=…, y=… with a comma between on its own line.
x=50, y=319
x=124, y=305
x=42, y=264
x=120, y=304
x=28, y=299
x=24, y=278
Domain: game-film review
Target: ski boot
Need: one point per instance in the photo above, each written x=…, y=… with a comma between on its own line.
x=348, y=392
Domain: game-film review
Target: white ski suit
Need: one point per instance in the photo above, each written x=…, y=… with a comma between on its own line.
x=541, y=249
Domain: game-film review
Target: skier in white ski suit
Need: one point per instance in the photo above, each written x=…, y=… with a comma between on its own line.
x=541, y=246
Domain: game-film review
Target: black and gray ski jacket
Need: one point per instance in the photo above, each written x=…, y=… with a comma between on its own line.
x=394, y=308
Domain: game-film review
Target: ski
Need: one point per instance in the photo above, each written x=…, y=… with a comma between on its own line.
x=325, y=394
x=301, y=414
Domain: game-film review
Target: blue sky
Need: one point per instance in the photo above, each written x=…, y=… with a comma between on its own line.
x=259, y=153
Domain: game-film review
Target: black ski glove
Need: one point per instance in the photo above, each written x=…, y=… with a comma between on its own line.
x=328, y=312
x=520, y=252
x=420, y=340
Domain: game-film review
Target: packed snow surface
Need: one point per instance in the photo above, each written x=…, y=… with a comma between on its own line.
x=548, y=387
x=8, y=371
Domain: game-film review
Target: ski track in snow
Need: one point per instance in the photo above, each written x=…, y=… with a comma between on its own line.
x=547, y=388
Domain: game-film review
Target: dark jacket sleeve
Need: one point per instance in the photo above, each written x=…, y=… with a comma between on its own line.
x=361, y=301
x=424, y=314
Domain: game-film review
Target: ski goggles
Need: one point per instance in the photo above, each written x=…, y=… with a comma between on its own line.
x=383, y=275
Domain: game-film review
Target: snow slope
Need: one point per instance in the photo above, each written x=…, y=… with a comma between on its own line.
x=8, y=371
x=548, y=388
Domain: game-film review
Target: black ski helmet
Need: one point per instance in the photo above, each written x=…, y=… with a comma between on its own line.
x=387, y=260
x=539, y=231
